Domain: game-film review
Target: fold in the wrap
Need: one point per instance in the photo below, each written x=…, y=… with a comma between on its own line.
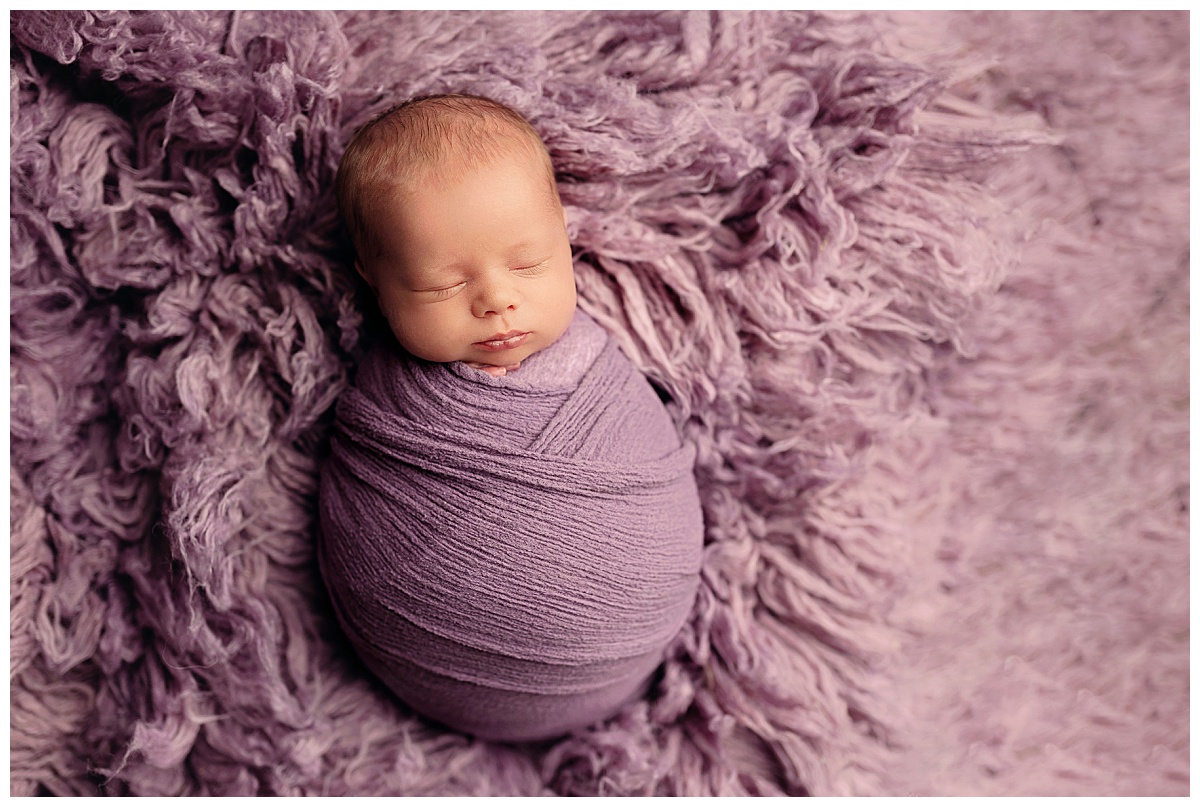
x=510, y=555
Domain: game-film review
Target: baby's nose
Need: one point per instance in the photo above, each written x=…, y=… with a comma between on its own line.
x=495, y=297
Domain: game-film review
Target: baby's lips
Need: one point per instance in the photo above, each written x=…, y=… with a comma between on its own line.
x=507, y=342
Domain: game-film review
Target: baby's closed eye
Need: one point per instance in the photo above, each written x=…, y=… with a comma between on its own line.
x=442, y=292
x=533, y=270
x=445, y=291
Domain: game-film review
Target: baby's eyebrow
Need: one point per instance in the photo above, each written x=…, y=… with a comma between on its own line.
x=527, y=250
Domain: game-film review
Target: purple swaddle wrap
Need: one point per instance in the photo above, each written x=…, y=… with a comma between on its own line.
x=510, y=555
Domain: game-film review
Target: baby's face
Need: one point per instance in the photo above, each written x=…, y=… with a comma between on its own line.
x=476, y=270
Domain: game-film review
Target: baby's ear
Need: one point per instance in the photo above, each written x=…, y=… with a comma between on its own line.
x=364, y=274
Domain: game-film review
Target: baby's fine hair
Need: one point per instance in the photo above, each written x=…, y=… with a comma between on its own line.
x=433, y=137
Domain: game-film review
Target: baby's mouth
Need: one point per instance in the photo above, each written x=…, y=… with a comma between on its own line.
x=504, y=341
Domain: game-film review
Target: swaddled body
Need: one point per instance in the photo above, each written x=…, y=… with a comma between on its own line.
x=512, y=554
x=510, y=530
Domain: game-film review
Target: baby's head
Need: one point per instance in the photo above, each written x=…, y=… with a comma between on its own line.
x=454, y=213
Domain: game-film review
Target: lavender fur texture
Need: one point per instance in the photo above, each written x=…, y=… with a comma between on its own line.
x=915, y=286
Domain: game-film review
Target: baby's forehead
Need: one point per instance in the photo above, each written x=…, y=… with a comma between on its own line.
x=398, y=198
x=453, y=165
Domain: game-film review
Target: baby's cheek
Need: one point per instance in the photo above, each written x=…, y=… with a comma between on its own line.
x=395, y=320
x=405, y=327
x=427, y=336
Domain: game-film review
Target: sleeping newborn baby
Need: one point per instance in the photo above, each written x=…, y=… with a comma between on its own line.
x=510, y=531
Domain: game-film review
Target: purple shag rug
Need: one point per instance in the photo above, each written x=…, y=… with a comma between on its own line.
x=917, y=286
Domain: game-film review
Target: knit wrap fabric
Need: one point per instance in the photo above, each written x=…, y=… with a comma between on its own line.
x=510, y=555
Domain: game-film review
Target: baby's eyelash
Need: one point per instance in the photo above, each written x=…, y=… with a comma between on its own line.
x=447, y=291
x=532, y=271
